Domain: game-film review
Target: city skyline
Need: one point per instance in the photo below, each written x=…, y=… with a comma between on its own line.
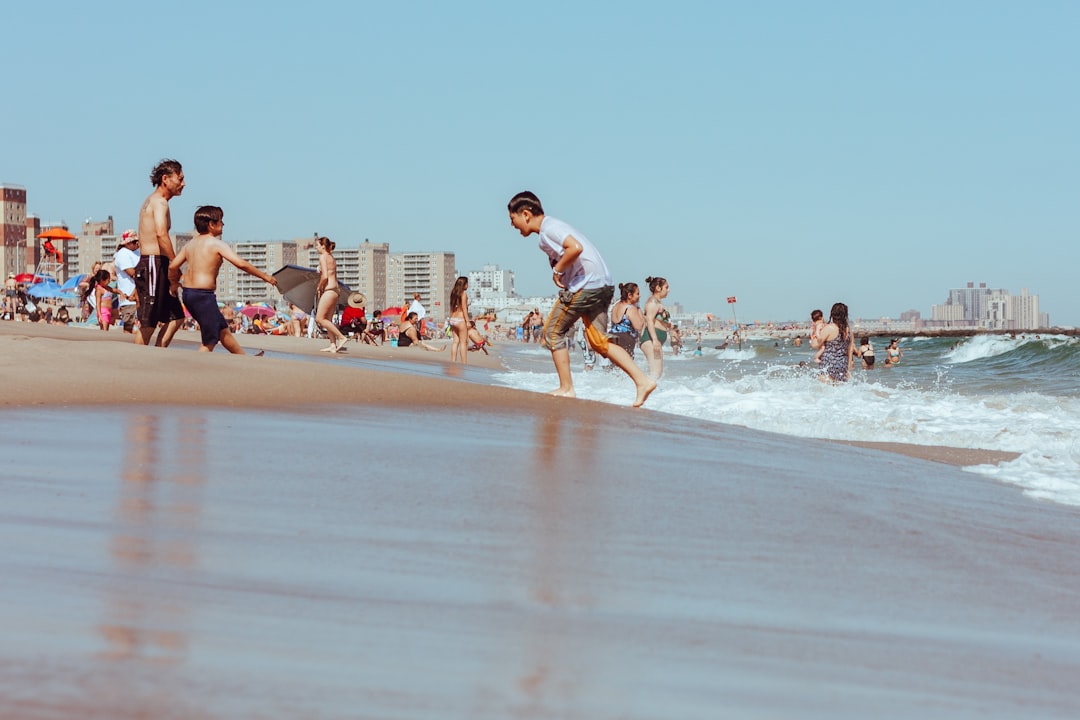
x=791, y=155
x=1007, y=308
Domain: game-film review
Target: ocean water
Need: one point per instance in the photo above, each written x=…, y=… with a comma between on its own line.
x=991, y=392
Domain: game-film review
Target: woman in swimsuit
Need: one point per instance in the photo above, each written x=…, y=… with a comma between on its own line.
x=893, y=353
x=656, y=326
x=838, y=345
x=328, y=291
x=408, y=336
x=459, y=320
x=626, y=329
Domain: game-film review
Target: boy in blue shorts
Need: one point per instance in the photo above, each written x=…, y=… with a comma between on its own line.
x=203, y=256
x=585, y=292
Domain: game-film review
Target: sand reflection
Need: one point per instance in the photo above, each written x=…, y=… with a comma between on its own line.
x=154, y=546
x=565, y=536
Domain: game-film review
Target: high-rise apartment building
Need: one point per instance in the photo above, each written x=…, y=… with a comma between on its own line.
x=13, y=229
x=431, y=274
x=235, y=285
x=490, y=285
x=990, y=308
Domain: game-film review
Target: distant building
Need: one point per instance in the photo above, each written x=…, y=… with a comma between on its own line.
x=235, y=285
x=431, y=274
x=13, y=229
x=491, y=287
x=989, y=308
x=105, y=227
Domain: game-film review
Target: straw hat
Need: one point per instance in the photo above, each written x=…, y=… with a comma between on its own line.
x=357, y=299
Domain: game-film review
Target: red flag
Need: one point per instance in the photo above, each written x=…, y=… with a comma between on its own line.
x=731, y=300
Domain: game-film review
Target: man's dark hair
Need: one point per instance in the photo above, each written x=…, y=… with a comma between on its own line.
x=163, y=168
x=525, y=200
x=206, y=215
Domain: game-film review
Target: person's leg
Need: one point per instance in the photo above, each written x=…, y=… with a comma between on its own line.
x=561, y=357
x=327, y=301
x=167, y=332
x=229, y=343
x=145, y=334
x=461, y=341
x=622, y=360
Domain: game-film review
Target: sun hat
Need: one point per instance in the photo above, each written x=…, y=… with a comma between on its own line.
x=357, y=299
x=128, y=236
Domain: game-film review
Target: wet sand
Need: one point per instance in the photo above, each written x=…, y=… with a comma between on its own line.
x=291, y=538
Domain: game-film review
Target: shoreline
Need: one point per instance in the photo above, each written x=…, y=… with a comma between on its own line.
x=235, y=537
x=113, y=372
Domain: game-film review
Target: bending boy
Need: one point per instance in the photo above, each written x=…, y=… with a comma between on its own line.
x=203, y=256
x=586, y=289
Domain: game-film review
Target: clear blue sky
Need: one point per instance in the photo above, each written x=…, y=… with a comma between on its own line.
x=790, y=153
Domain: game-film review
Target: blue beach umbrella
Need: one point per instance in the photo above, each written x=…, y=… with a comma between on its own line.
x=73, y=283
x=46, y=289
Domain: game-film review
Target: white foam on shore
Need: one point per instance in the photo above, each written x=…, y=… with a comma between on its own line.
x=1045, y=430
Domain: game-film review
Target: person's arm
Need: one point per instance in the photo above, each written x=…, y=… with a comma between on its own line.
x=161, y=229
x=323, y=279
x=651, y=308
x=637, y=320
x=174, y=270
x=571, y=251
x=229, y=254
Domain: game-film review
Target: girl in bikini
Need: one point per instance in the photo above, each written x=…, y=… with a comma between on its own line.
x=328, y=295
x=103, y=299
x=654, y=333
x=459, y=320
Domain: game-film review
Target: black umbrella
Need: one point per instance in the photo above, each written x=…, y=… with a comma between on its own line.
x=298, y=285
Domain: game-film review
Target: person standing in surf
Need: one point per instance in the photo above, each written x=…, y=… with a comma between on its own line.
x=837, y=344
x=158, y=302
x=585, y=292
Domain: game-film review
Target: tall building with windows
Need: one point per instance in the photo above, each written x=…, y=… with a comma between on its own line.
x=989, y=308
x=235, y=285
x=431, y=274
x=13, y=229
x=490, y=286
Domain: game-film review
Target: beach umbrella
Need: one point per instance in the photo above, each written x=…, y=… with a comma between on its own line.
x=254, y=311
x=30, y=278
x=298, y=285
x=73, y=283
x=47, y=289
x=56, y=233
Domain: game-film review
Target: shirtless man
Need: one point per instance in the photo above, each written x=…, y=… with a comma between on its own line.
x=158, y=303
x=203, y=256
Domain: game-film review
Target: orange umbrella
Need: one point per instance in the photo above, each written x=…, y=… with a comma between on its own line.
x=56, y=233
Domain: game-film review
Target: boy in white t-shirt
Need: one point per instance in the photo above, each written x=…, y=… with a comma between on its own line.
x=586, y=290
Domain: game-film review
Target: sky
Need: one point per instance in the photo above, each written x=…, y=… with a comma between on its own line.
x=791, y=154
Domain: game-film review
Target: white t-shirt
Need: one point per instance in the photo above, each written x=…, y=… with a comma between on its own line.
x=124, y=259
x=588, y=271
x=417, y=308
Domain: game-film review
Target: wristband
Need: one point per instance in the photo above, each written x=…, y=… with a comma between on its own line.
x=556, y=272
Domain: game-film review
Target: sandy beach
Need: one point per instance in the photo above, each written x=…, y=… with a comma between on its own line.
x=389, y=535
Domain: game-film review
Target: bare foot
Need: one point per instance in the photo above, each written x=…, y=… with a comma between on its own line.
x=560, y=392
x=332, y=348
x=643, y=393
